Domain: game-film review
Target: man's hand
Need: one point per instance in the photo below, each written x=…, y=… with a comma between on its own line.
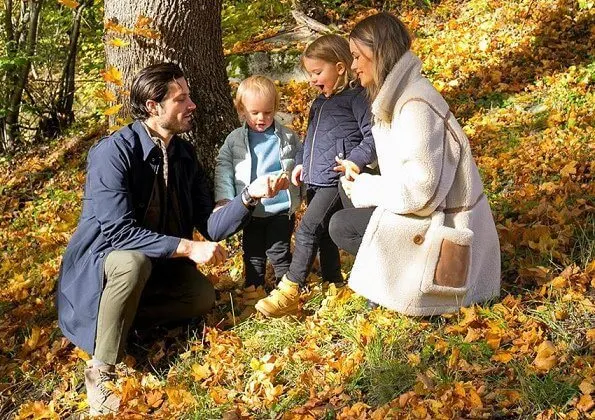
x=201, y=252
x=267, y=186
x=350, y=169
x=296, y=175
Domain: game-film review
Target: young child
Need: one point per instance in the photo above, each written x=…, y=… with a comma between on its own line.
x=261, y=146
x=339, y=131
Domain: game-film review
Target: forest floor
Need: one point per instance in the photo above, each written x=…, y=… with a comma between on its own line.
x=520, y=76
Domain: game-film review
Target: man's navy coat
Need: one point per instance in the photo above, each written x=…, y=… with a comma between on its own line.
x=120, y=173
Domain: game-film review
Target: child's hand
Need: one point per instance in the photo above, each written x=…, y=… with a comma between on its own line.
x=296, y=175
x=350, y=169
x=267, y=186
x=281, y=182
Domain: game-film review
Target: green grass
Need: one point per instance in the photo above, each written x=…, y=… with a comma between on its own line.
x=548, y=391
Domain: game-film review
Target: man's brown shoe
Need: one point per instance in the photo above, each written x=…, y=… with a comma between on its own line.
x=283, y=300
x=102, y=400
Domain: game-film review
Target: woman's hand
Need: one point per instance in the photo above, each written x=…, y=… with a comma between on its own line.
x=296, y=175
x=347, y=184
x=350, y=169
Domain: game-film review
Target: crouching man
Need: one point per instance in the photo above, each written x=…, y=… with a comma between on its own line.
x=132, y=255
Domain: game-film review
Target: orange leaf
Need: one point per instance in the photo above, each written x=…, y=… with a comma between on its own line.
x=546, y=356
x=69, y=3
x=113, y=75
x=105, y=95
x=585, y=403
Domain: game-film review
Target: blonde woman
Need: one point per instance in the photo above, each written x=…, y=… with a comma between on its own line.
x=422, y=230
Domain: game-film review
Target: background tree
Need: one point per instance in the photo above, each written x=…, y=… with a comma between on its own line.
x=144, y=32
x=21, y=21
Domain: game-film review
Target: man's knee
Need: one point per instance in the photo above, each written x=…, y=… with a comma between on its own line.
x=200, y=295
x=131, y=267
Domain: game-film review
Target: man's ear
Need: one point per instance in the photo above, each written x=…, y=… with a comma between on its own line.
x=152, y=107
x=340, y=68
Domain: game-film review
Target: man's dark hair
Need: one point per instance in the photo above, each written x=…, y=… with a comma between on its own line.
x=151, y=83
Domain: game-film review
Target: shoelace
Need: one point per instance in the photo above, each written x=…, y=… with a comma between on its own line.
x=105, y=377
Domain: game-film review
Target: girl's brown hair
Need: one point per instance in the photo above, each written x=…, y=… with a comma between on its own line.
x=332, y=49
x=389, y=40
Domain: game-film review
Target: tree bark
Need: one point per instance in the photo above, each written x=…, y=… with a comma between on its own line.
x=190, y=35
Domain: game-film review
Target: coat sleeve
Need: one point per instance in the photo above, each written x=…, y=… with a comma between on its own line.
x=224, y=222
x=224, y=172
x=410, y=181
x=109, y=170
x=365, y=152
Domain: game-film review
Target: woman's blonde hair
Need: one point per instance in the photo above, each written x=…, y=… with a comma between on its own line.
x=256, y=85
x=389, y=40
x=332, y=49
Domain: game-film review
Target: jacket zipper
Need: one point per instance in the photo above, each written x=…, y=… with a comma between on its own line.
x=279, y=135
x=314, y=139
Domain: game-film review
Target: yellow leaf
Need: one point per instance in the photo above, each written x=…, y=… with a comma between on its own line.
x=33, y=340
x=569, y=169
x=414, y=359
x=587, y=386
x=112, y=110
x=113, y=75
x=585, y=403
x=475, y=399
x=200, y=372
x=591, y=335
x=69, y=3
x=105, y=95
x=179, y=397
x=454, y=358
x=502, y=356
x=559, y=282
x=118, y=42
x=546, y=356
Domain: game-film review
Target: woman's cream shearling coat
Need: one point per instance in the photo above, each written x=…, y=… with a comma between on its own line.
x=428, y=174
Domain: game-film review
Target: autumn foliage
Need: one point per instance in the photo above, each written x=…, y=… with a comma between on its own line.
x=520, y=77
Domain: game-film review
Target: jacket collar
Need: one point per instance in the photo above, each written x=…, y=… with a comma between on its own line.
x=405, y=71
x=147, y=144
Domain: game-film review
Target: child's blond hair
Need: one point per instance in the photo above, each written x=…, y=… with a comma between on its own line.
x=332, y=49
x=256, y=85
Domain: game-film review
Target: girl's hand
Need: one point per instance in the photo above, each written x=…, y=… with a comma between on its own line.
x=350, y=169
x=296, y=175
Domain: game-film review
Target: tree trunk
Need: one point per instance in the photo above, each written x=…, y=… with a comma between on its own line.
x=17, y=80
x=190, y=35
x=65, y=98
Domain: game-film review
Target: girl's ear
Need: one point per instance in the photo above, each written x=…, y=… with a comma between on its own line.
x=340, y=68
